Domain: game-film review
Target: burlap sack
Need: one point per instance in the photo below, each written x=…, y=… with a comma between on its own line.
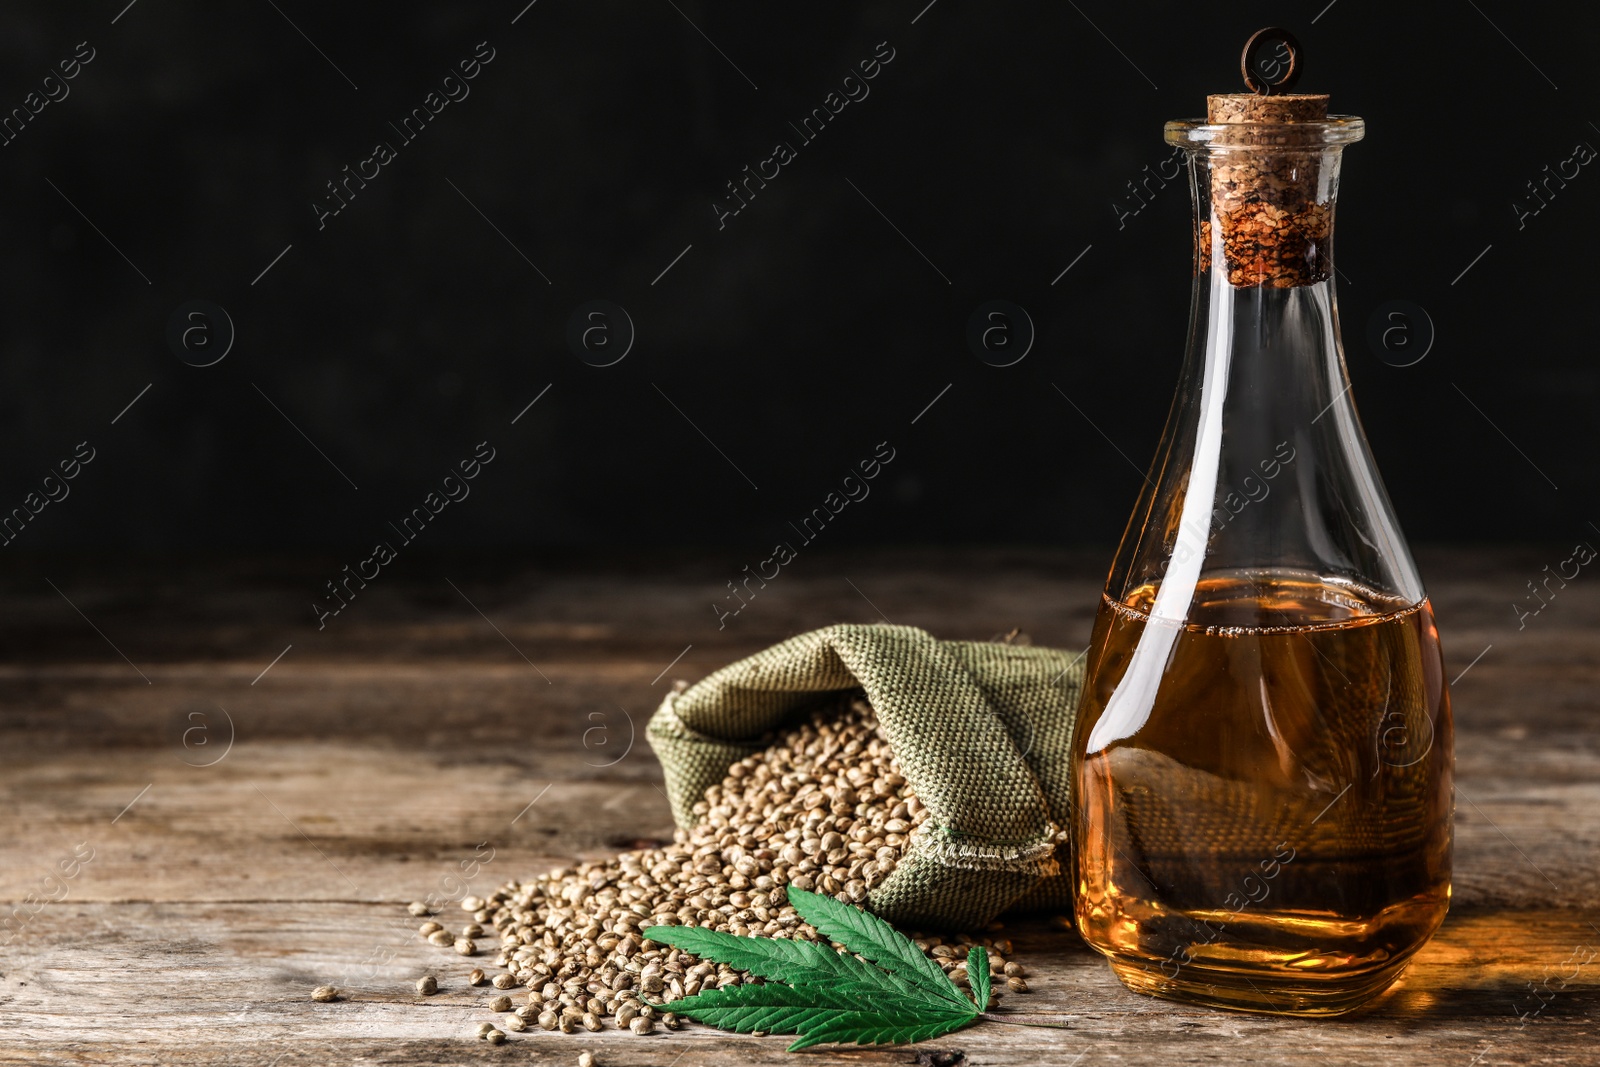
x=983, y=732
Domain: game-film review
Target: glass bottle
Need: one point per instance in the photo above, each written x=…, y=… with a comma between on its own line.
x=1263, y=750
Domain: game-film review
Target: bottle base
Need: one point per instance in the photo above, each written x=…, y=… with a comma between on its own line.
x=1239, y=990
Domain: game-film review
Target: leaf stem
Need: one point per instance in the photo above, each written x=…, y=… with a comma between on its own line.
x=1011, y=1017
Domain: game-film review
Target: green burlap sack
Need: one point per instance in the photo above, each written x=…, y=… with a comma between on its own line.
x=983, y=732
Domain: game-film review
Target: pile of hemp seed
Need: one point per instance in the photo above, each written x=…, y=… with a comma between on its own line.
x=824, y=808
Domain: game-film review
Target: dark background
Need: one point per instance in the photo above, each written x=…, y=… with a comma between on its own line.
x=998, y=140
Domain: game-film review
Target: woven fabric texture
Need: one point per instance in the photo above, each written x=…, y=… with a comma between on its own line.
x=983, y=732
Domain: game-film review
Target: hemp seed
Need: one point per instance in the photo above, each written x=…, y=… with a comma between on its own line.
x=323, y=994
x=427, y=985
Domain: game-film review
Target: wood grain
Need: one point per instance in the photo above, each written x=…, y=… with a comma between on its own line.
x=378, y=756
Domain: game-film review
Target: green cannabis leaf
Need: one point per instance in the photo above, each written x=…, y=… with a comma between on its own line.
x=870, y=937
x=793, y=962
x=978, y=975
x=828, y=995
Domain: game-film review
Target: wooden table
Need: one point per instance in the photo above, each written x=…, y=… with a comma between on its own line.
x=414, y=732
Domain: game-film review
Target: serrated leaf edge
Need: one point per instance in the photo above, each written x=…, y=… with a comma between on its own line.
x=873, y=1028
x=840, y=922
x=816, y=960
x=715, y=1006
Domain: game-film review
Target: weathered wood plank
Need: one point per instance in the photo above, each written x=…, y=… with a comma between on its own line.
x=300, y=820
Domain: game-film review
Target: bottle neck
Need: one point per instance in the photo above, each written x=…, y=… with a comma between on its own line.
x=1264, y=470
x=1264, y=215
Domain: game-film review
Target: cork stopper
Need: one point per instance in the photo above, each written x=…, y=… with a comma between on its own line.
x=1250, y=107
x=1265, y=179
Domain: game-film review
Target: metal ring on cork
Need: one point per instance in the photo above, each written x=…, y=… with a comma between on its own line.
x=1266, y=86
